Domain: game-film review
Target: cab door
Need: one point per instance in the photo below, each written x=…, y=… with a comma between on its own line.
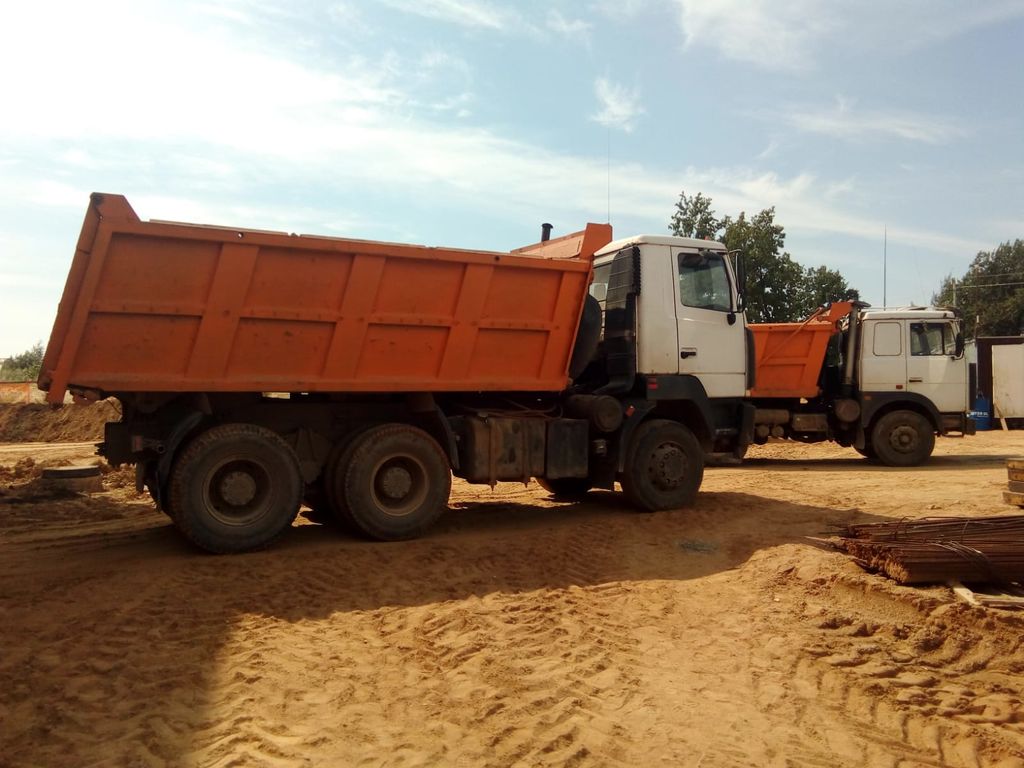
x=711, y=338
x=883, y=362
x=933, y=368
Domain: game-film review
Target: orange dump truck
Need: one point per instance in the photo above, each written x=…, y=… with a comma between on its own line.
x=260, y=370
x=885, y=382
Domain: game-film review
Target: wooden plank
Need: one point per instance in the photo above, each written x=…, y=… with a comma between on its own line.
x=963, y=593
x=1013, y=498
x=1010, y=599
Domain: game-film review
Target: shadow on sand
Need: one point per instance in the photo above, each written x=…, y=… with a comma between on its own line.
x=111, y=638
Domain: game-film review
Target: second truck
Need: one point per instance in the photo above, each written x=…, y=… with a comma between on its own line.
x=883, y=381
x=260, y=370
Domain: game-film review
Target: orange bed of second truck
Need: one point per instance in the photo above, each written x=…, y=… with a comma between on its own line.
x=167, y=307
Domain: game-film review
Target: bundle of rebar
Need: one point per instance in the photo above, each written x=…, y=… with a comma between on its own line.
x=930, y=550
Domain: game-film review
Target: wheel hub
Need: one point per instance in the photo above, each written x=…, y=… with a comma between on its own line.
x=903, y=438
x=238, y=488
x=396, y=482
x=668, y=465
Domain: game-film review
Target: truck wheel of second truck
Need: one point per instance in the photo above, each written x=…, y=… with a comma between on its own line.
x=397, y=482
x=235, y=487
x=903, y=439
x=664, y=466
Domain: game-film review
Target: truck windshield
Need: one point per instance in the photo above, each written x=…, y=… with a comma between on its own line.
x=704, y=281
x=932, y=339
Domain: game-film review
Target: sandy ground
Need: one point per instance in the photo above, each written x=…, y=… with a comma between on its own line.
x=520, y=632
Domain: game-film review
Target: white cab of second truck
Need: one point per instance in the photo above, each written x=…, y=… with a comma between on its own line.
x=919, y=351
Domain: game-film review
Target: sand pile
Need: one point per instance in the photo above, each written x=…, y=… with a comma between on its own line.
x=65, y=424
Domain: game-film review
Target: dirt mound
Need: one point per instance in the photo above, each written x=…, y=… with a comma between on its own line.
x=65, y=424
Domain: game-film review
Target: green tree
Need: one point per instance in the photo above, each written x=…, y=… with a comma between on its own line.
x=778, y=288
x=990, y=293
x=823, y=286
x=694, y=218
x=23, y=367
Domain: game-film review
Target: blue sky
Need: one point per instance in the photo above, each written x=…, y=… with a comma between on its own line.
x=469, y=122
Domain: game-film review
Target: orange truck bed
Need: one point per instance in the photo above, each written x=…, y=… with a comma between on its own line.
x=789, y=356
x=167, y=307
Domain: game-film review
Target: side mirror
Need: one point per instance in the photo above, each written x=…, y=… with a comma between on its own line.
x=740, y=268
x=959, y=351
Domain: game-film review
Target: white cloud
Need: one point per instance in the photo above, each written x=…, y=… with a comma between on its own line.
x=466, y=13
x=845, y=121
x=772, y=34
x=618, y=10
x=559, y=24
x=619, y=106
x=789, y=35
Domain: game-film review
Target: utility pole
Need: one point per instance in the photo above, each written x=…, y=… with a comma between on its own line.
x=885, y=265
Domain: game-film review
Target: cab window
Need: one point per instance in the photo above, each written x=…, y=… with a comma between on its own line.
x=887, y=340
x=932, y=339
x=704, y=281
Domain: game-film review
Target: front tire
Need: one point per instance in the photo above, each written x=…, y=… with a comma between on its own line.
x=903, y=439
x=664, y=466
x=397, y=482
x=235, y=487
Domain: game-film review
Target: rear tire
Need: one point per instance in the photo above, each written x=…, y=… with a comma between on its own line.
x=396, y=483
x=903, y=439
x=235, y=487
x=566, y=488
x=334, y=479
x=664, y=466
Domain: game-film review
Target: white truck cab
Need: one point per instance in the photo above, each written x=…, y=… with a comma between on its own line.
x=689, y=316
x=915, y=350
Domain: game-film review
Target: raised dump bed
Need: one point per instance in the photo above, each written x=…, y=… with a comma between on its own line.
x=789, y=356
x=167, y=307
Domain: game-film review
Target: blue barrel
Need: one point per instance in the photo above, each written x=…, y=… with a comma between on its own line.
x=982, y=413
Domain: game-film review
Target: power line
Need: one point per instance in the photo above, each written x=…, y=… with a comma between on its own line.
x=986, y=285
x=997, y=274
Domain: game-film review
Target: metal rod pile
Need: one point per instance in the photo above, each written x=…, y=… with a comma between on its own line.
x=940, y=549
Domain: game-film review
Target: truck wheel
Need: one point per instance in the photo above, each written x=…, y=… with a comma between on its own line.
x=397, y=482
x=334, y=478
x=235, y=487
x=902, y=439
x=566, y=488
x=664, y=466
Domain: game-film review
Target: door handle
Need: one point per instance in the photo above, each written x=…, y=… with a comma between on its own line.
x=685, y=353
x=915, y=380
